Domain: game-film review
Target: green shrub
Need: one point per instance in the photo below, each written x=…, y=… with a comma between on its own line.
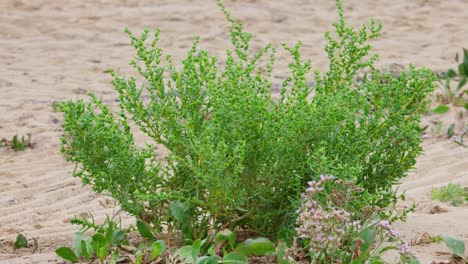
x=237, y=157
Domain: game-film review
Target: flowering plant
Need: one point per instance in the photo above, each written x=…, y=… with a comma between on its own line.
x=332, y=234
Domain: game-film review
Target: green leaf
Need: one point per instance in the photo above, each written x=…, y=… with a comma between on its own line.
x=67, y=254
x=456, y=245
x=235, y=258
x=84, y=250
x=281, y=252
x=456, y=57
x=196, y=246
x=139, y=256
x=368, y=235
x=156, y=248
x=462, y=83
x=115, y=257
x=465, y=62
x=102, y=253
x=450, y=73
x=441, y=109
x=211, y=250
x=462, y=70
x=451, y=130
x=82, y=245
x=178, y=211
x=185, y=253
x=376, y=260
x=144, y=230
x=259, y=246
x=118, y=237
x=207, y=260
x=225, y=235
x=100, y=245
x=21, y=242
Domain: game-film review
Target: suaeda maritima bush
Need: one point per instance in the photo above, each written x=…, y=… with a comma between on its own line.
x=237, y=157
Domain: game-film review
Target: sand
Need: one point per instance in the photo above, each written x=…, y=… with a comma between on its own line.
x=56, y=50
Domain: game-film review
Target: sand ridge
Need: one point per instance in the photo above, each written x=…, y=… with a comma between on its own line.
x=57, y=50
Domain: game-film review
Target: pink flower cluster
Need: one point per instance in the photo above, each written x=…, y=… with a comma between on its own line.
x=325, y=228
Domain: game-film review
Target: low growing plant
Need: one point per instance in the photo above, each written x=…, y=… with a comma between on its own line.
x=101, y=245
x=17, y=143
x=237, y=157
x=456, y=95
x=455, y=194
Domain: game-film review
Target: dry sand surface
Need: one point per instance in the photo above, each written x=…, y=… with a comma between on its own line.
x=55, y=50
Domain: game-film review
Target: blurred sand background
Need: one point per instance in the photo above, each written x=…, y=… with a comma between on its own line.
x=56, y=50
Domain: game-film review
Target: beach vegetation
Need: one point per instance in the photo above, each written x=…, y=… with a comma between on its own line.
x=240, y=160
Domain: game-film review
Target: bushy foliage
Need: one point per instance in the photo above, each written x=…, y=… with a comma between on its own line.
x=237, y=157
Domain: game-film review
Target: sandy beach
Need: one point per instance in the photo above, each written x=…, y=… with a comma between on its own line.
x=52, y=51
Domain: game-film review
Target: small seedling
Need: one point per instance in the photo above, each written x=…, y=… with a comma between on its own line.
x=21, y=242
x=55, y=106
x=456, y=95
x=16, y=143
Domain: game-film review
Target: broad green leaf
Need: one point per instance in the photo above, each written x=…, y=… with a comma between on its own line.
x=456, y=245
x=21, y=242
x=118, y=237
x=144, y=230
x=281, y=252
x=207, y=260
x=196, y=246
x=185, y=253
x=67, y=254
x=156, y=248
x=368, y=235
x=225, y=235
x=211, y=251
x=103, y=251
x=259, y=246
x=178, y=211
x=441, y=109
x=78, y=245
x=99, y=244
x=235, y=258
